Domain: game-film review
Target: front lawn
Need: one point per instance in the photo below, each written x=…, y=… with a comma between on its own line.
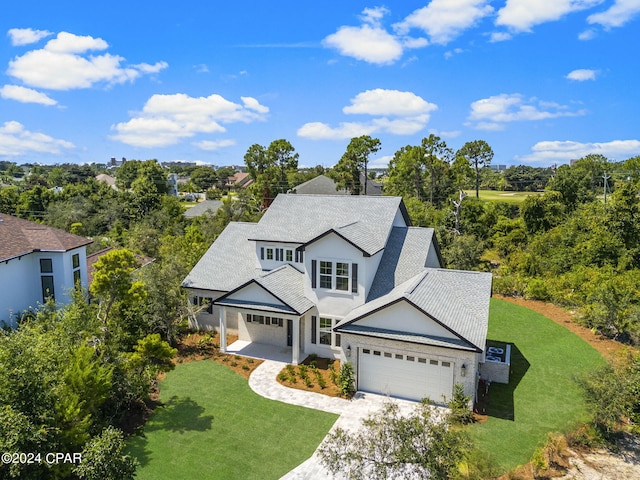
x=212, y=425
x=542, y=395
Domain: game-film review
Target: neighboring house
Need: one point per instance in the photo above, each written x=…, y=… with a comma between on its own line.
x=347, y=277
x=239, y=180
x=205, y=206
x=323, y=185
x=108, y=179
x=37, y=262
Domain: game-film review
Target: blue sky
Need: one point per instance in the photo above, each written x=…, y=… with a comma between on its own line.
x=542, y=81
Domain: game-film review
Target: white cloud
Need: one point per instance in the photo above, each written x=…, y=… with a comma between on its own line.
x=25, y=36
x=617, y=15
x=451, y=53
x=371, y=44
x=373, y=15
x=500, y=37
x=60, y=65
x=213, y=145
x=491, y=113
x=444, y=20
x=388, y=102
x=15, y=141
x=522, y=15
x=25, y=95
x=563, y=151
x=587, y=34
x=382, y=162
x=323, y=131
x=582, y=74
x=394, y=112
x=167, y=119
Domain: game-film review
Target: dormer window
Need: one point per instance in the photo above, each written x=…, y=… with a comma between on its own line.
x=269, y=253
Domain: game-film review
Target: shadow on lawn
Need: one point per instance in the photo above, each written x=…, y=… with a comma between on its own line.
x=178, y=415
x=501, y=404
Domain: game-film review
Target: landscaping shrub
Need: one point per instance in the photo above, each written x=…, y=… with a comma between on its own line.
x=346, y=380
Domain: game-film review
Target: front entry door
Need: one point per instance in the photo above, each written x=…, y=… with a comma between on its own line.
x=289, y=333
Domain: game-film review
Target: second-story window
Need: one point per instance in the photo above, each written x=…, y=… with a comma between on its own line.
x=326, y=274
x=269, y=253
x=342, y=276
x=288, y=255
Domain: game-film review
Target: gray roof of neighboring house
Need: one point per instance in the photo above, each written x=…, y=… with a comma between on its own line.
x=285, y=283
x=364, y=221
x=458, y=300
x=202, y=208
x=405, y=256
x=229, y=262
x=323, y=185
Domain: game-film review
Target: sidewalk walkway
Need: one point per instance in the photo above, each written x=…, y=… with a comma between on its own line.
x=263, y=381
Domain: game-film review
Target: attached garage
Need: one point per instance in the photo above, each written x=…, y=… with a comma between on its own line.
x=405, y=375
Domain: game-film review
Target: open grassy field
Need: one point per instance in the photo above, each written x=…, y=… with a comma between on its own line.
x=543, y=395
x=213, y=426
x=498, y=196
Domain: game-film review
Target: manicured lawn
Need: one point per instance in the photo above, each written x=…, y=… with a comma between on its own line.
x=498, y=196
x=542, y=395
x=214, y=426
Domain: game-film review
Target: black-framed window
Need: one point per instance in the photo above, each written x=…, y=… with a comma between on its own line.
x=47, y=288
x=288, y=255
x=46, y=265
x=77, y=278
x=75, y=260
x=269, y=253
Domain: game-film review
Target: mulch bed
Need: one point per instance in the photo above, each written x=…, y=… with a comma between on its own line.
x=322, y=364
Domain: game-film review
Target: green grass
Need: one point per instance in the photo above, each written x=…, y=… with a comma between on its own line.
x=542, y=395
x=498, y=196
x=212, y=425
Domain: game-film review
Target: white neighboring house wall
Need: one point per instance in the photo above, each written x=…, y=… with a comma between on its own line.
x=21, y=280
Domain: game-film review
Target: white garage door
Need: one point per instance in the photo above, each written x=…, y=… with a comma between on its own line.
x=404, y=375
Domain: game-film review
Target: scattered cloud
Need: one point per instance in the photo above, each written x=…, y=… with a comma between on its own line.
x=522, y=15
x=213, y=145
x=382, y=162
x=549, y=152
x=500, y=37
x=493, y=112
x=450, y=53
x=26, y=36
x=588, y=34
x=444, y=20
x=16, y=141
x=394, y=112
x=25, y=95
x=201, y=68
x=167, y=119
x=371, y=44
x=582, y=74
x=617, y=15
x=64, y=64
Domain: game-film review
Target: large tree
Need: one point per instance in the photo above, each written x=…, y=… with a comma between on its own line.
x=353, y=164
x=436, y=158
x=479, y=154
x=269, y=168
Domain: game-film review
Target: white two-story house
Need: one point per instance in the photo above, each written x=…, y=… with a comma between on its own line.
x=347, y=277
x=37, y=263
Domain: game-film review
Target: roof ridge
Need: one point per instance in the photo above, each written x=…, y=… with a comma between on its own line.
x=422, y=275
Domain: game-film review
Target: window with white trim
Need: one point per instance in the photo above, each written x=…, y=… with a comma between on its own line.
x=326, y=335
x=342, y=276
x=326, y=274
x=339, y=276
x=269, y=253
x=288, y=255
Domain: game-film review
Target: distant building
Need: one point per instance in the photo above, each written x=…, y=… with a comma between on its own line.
x=108, y=179
x=239, y=180
x=498, y=168
x=116, y=163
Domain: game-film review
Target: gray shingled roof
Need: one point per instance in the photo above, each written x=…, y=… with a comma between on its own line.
x=206, y=206
x=406, y=337
x=459, y=300
x=285, y=283
x=364, y=220
x=229, y=262
x=405, y=256
x=320, y=185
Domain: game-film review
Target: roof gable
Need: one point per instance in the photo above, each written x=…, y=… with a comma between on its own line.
x=21, y=237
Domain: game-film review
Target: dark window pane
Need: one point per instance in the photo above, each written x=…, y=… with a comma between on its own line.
x=47, y=288
x=46, y=265
x=76, y=260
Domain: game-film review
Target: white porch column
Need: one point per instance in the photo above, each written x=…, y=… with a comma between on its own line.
x=295, y=357
x=223, y=329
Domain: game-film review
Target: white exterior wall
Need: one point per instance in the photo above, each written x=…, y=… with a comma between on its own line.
x=261, y=333
x=211, y=321
x=21, y=285
x=456, y=357
x=398, y=221
x=265, y=264
x=432, y=257
x=335, y=302
x=405, y=318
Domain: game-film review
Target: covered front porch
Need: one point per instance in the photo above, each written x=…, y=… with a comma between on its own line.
x=260, y=351
x=264, y=334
